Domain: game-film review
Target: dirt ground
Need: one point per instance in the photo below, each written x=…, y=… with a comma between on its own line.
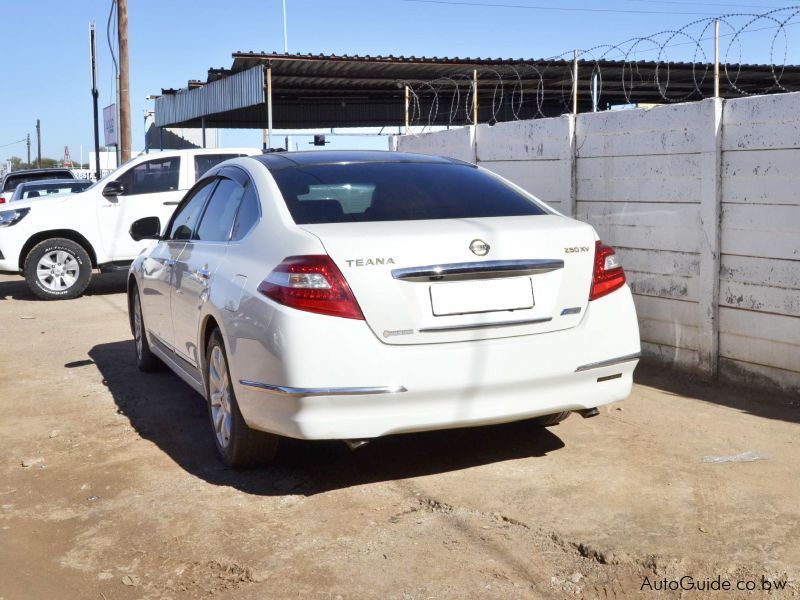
x=110, y=488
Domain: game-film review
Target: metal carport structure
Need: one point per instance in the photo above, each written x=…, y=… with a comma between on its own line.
x=293, y=91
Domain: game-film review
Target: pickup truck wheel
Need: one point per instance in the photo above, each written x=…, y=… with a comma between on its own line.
x=550, y=420
x=145, y=359
x=237, y=444
x=57, y=269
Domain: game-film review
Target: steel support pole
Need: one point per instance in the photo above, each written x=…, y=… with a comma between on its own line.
x=475, y=98
x=575, y=82
x=269, y=106
x=407, y=117
x=95, y=95
x=38, y=144
x=203, y=125
x=716, y=58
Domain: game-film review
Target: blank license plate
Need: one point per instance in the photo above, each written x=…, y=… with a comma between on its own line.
x=487, y=295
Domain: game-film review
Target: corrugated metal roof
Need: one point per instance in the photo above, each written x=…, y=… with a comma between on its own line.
x=337, y=91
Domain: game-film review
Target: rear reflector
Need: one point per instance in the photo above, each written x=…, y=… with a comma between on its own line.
x=608, y=274
x=312, y=283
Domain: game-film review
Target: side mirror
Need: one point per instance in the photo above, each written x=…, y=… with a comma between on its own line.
x=113, y=188
x=148, y=228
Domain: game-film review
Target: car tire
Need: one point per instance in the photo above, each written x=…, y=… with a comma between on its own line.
x=238, y=445
x=145, y=359
x=58, y=269
x=550, y=420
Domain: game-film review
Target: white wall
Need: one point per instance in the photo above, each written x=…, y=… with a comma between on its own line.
x=759, y=299
x=700, y=199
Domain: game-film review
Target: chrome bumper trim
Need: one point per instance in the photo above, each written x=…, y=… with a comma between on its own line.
x=483, y=325
x=609, y=362
x=338, y=391
x=487, y=269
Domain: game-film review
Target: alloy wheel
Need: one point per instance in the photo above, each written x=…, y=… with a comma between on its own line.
x=219, y=396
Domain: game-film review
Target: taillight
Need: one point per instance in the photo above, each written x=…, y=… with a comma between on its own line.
x=608, y=274
x=2, y=200
x=312, y=283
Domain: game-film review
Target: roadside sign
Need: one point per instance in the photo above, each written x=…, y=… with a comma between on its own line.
x=110, y=125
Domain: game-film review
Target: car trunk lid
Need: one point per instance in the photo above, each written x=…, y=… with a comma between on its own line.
x=449, y=280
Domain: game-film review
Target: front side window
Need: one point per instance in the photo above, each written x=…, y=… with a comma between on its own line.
x=151, y=177
x=397, y=191
x=188, y=213
x=217, y=220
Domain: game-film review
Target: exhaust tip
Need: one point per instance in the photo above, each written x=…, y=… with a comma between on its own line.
x=356, y=444
x=587, y=413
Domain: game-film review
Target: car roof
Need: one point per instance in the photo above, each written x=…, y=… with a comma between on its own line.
x=35, y=171
x=285, y=160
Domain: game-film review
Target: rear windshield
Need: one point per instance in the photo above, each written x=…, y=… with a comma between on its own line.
x=12, y=181
x=397, y=192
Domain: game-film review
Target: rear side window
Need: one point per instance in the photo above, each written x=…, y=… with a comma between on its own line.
x=12, y=181
x=188, y=213
x=397, y=192
x=218, y=218
x=151, y=177
x=204, y=162
x=248, y=215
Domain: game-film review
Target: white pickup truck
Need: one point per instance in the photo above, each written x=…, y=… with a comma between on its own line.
x=56, y=243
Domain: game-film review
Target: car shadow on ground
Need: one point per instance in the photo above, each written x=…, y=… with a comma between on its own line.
x=761, y=403
x=162, y=409
x=100, y=285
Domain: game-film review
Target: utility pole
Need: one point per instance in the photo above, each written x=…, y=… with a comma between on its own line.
x=95, y=94
x=38, y=144
x=28, y=142
x=124, y=85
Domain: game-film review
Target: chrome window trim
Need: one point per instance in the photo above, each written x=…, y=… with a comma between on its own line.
x=487, y=269
x=609, y=362
x=337, y=391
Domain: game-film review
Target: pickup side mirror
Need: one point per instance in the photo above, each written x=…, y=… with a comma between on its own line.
x=113, y=188
x=148, y=228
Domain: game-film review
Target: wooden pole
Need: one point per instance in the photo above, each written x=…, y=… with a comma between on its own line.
x=716, y=58
x=124, y=82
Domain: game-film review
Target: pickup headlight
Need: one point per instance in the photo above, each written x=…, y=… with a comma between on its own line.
x=12, y=217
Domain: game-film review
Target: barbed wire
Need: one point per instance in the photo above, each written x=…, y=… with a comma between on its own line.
x=638, y=70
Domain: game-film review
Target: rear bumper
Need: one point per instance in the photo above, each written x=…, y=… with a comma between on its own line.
x=294, y=380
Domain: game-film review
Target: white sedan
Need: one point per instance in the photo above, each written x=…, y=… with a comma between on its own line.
x=351, y=295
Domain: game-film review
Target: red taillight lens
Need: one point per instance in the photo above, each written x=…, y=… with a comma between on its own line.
x=2, y=200
x=608, y=274
x=312, y=283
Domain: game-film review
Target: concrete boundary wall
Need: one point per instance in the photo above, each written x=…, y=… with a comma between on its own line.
x=702, y=202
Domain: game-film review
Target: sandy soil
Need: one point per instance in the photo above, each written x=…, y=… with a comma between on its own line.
x=110, y=488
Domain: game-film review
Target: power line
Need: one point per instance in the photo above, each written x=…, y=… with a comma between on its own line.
x=12, y=143
x=724, y=5
x=555, y=8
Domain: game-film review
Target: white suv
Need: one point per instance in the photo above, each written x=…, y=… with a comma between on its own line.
x=57, y=242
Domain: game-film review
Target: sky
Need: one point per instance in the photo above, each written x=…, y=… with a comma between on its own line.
x=45, y=57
